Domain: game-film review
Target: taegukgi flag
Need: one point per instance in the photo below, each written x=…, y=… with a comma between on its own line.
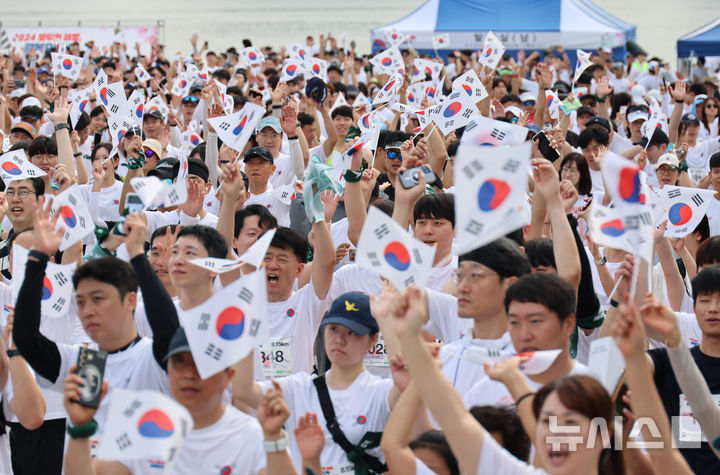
x=493, y=183
x=80, y=102
x=553, y=103
x=292, y=68
x=583, y=62
x=682, y=207
x=441, y=41
x=67, y=65
x=136, y=102
x=254, y=256
x=492, y=51
x=225, y=328
x=57, y=289
x=75, y=217
x=386, y=248
x=15, y=165
x=389, y=61
x=424, y=67
x=389, y=89
x=251, y=56
x=141, y=73
x=625, y=181
x=471, y=85
x=111, y=96
x=143, y=425
x=626, y=229
x=235, y=129
x=455, y=112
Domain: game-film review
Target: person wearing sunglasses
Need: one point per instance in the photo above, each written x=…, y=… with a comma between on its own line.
x=393, y=161
x=187, y=108
x=152, y=149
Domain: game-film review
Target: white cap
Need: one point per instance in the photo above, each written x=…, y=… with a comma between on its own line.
x=528, y=96
x=514, y=110
x=655, y=94
x=637, y=92
x=667, y=159
x=606, y=49
x=637, y=115
x=31, y=101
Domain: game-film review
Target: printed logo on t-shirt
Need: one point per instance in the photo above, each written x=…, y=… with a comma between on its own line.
x=360, y=420
x=209, y=204
x=694, y=341
x=269, y=205
x=157, y=464
x=291, y=312
x=117, y=202
x=226, y=470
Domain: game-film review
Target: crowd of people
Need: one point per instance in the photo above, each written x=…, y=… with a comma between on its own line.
x=357, y=375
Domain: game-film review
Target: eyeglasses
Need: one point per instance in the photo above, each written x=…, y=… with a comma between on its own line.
x=40, y=158
x=393, y=155
x=473, y=277
x=21, y=192
x=711, y=104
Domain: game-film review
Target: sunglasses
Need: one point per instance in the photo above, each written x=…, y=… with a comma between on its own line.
x=149, y=153
x=529, y=103
x=394, y=155
x=192, y=99
x=714, y=106
x=252, y=93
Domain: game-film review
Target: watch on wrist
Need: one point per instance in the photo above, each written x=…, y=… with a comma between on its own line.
x=294, y=137
x=13, y=352
x=62, y=125
x=601, y=262
x=279, y=445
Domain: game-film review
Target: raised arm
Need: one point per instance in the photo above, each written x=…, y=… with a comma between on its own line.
x=289, y=126
x=323, y=263
x=59, y=118
x=159, y=307
x=244, y=387
x=678, y=95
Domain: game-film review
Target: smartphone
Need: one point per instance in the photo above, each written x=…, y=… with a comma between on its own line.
x=544, y=147
x=622, y=109
x=91, y=368
x=133, y=203
x=410, y=178
x=19, y=83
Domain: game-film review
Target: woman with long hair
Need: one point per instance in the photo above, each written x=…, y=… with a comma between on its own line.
x=708, y=113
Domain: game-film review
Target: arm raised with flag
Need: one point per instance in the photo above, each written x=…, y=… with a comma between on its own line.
x=159, y=307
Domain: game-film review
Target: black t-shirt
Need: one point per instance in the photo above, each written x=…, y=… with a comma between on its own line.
x=390, y=190
x=701, y=460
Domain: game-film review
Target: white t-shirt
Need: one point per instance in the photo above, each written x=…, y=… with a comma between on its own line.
x=462, y=373
x=273, y=203
x=689, y=329
x=158, y=219
x=698, y=159
x=293, y=326
x=488, y=392
x=107, y=200
x=713, y=215
x=444, y=322
x=283, y=171
x=234, y=444
x=339, y=233
x=598, y=187
x=495, y=459
x=362, y=407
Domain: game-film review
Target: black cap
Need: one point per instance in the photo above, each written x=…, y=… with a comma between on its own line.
x=197, y=86
x=690, y=117
x=352, y=310
x=261, y=152
x=164, y=168
x=178, y=344
x=155, y=113
x=316, y=89
x=599, y=121
x=658, y=138
x=584, y=110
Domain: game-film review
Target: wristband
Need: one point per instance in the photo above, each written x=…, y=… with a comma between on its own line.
x=614, y=303
x=79, y=154
x=62, y=125
x=40, y=256
x=600, y=99
x=294, y=137
x=13, y=352
x=679, y=102
x=277, y=106
x=84, y=431
x=352, y=176
x=522, y=398
x=279, y=445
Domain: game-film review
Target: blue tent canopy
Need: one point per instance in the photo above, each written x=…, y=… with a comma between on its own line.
x=519, y=24
x=704, y=41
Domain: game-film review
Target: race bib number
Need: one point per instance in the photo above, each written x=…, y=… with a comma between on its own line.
x=697, y=174
x=276, y=357
x=689, y=427
x=377, y=356
x=342, y=469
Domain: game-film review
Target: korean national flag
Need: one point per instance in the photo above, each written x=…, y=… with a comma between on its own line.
x=251, y=56
x=386, y=248
x=485, y=131
x=389, y=89
x=625, y=182
x=583, y=62
x=159, y=194
x=317, y=68
x=225, y=328
x=57, y=289
x=631, y=231
x=189, y=140
x=141, y=74
x=441, y=41
x=470, y=84
x=181, y=85
x=655, y=121
x=455, y=112
x=339, y=101
x=493, y=183
x=143, y=425
x=682, y=207
x=553, y=103
x=492, y=51
x=80, y=102
x=111, y=96
x=427, y=67
x=394, y=37
x=298, y=52
x=389, y=61
x=415, y=94
x=254, y=256
x=67, y=65
x=75, y=217
x=137, y=106
x=235, y=129
x=15, y=165
x=292, y=68
x=117, y=128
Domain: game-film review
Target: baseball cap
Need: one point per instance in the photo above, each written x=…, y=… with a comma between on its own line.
x=637, y=113
x=261, y=152
x=599, y=120
x=271, y=122
x=316, y=90
x=514, y=110
x=178, y=344
x=153, y=145
x=196, y=86
x=24, y=127
x=352, y=310
x=528, y=96
x=690, y=117
x=154, y=113
x=584, y=110
x=668, y=159
x=711, y=80
x=658, y=138
x=135, y=131
x=42, y=70
x=394, y=145
x=164, y=168
x=31, y=101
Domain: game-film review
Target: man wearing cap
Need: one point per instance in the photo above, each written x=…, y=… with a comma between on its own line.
x=711, y=84
x=269, y=134
x=31, y=112
x=657, y=146
x=618, y=80
x=392, y=146
x=187, y=108
x=153, y=124
x=583, y=115
x=259, y=168
x=22, y=131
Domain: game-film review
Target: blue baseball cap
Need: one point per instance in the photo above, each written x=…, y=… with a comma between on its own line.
x=271, y=122
x=352, y=310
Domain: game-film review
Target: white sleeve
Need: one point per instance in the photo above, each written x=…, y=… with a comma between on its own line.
x=175, y=136
x=444, y=321
x=495, y=459
x=296, y=158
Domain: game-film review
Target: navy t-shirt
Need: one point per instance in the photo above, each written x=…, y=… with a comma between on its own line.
x=701, y=460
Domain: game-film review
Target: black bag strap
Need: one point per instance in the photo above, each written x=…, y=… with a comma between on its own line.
x=333, y=426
